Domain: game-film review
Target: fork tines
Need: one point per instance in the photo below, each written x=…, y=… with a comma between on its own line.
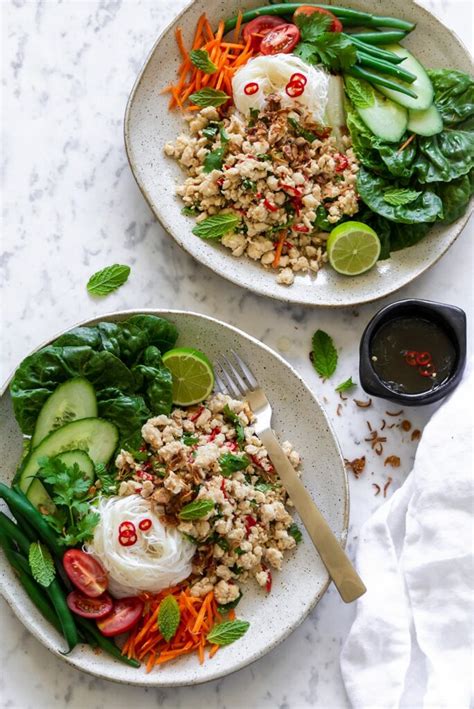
x=234, y=379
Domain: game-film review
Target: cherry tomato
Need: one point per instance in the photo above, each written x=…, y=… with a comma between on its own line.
x=125, y=614
x=260, y=26
x=85, y=572
x=335, y=26
x=282, y=40
x=90, y=607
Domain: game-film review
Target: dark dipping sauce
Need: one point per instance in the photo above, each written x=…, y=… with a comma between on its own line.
x=412, y=355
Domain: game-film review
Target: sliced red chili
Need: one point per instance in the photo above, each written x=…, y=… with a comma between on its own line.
x=251, y=88
x=249, y=523
x=301, y=228
x=294, y=89
x=128, y=541
x=214, y=433
x=145, y=524
x=271, y=207
x=427, y=370
x=197, y=414
x=423, y=358
x=342, y=162
x=127, y=526
x=293, y=191
x=298, y=77
x=410, y=357
x=224, y=492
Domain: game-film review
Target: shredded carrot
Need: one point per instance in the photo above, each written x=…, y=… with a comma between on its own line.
x=197, y=617
x=279, y=249
x=191, y=78
x=406, y=143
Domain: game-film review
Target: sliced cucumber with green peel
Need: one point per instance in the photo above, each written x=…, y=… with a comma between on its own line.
x=38, y=494
x=73, y=400
x=422, y=85
x=385, y=118
x=97, y=437
x=427, y=122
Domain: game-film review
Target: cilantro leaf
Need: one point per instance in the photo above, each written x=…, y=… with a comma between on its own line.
x=201, y=59
x=41, y=564
x=295, y=532
x=231, y=463
x=345, y=386
x=82, y=530
x=324, y=354
x=108, y=279
x=319, y=45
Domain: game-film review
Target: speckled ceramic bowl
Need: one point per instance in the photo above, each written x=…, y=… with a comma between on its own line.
x=297, y=417
x=149, y=125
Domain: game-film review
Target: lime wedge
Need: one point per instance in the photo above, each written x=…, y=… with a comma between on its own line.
x=353, y=248
x=193, y=376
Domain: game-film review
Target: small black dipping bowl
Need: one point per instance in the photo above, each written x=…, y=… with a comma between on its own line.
x=449, y=318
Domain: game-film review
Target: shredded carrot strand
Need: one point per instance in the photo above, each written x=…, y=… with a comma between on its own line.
x=179, y=39
x=279, y=249
x=238, y=26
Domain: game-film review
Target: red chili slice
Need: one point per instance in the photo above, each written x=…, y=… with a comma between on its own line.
x=342, y=162
x=145, y=524
x=249, y=523
x=298, y=77
x=423, y=358
x=128, y=541
x=294, y=89
x=126, y=526
x=271, y=207
x=410, y=357
x=293, y=191
x=301, y=228
x=251, y=88
x=427, y=370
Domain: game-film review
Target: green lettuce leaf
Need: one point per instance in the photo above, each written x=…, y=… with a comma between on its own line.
x=445, y=156
x=155, y=381
x=454, y=95
x=455, y=196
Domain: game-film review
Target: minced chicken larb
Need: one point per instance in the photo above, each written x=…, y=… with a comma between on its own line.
x=277, y=169
x=211, y=453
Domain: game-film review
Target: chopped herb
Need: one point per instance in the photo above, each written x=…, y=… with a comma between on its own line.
x=211, y=130
x=196, y=510
x=295, y=532
x=190, y=440
x=320, y=46
x=229, y=606
x=231, y=463
x=237, y=424
x=345, y=386
x=223, y=543
x=108, y=481
x=214, y=160
x=209, y=97
x=200, y=58
x=249, y=184
x=264, y=487
x=189, y=211
x=264, y=156
x=299, y=130
x=321, y=221
x=254, y=114
x=239, y=551
x=324, y=354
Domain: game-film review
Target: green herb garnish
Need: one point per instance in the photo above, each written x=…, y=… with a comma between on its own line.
x=237, y=424
x=41, y=564
x=295, y=532
x=345, y=386
x=400, y=196
x=216, y=226
x=108, y=279
x=209, y=97
x=169, y=616
x=320, y=46
x=196, y=510
x=324, y=354
x=201, y=59
x=299, y=130
x=231, y=463
x=228, y=632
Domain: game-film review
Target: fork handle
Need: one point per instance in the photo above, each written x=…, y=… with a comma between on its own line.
x=334, y=558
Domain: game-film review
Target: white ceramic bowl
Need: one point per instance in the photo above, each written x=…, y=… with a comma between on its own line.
x=299, y=418
x=149, y=125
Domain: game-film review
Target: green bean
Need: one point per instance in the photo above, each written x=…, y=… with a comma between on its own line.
x=361, y=73
x=91, y=630
x=385, y=67
x=25, y=526
x=375, y=51
x=18, y=502
x=380, y=37
x=343, y=13
x=54, y=590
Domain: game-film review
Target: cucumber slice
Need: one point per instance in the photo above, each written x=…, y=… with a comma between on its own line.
x=73, y=400
x=427, y=122
x=37, y=493
x=385, y=118
x=96, y=436
x=422, y=85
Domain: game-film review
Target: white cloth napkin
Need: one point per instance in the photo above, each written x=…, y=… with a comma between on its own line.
x=411, y=644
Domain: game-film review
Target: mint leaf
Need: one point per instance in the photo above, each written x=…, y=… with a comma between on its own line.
x=399, y=196
x=108, y=279
x=295, y=532
x=228, y=632
x=41, y=564
x=169, y=616
x=216, y=226
x=200, y=58
x=189, y=211
x=196, y=510
x=299, y=130
x=209, y=97
x=231, y=463
x=360, y=92
x=345, y=386
x=324, y=354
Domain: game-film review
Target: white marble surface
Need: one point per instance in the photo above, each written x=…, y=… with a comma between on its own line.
x=70, y=207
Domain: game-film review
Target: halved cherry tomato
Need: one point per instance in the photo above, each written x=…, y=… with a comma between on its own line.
x=335, y=26
x=89, y=607
x=260, y=26
x=125, y=614
x=85, y=572
x=282, y=40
